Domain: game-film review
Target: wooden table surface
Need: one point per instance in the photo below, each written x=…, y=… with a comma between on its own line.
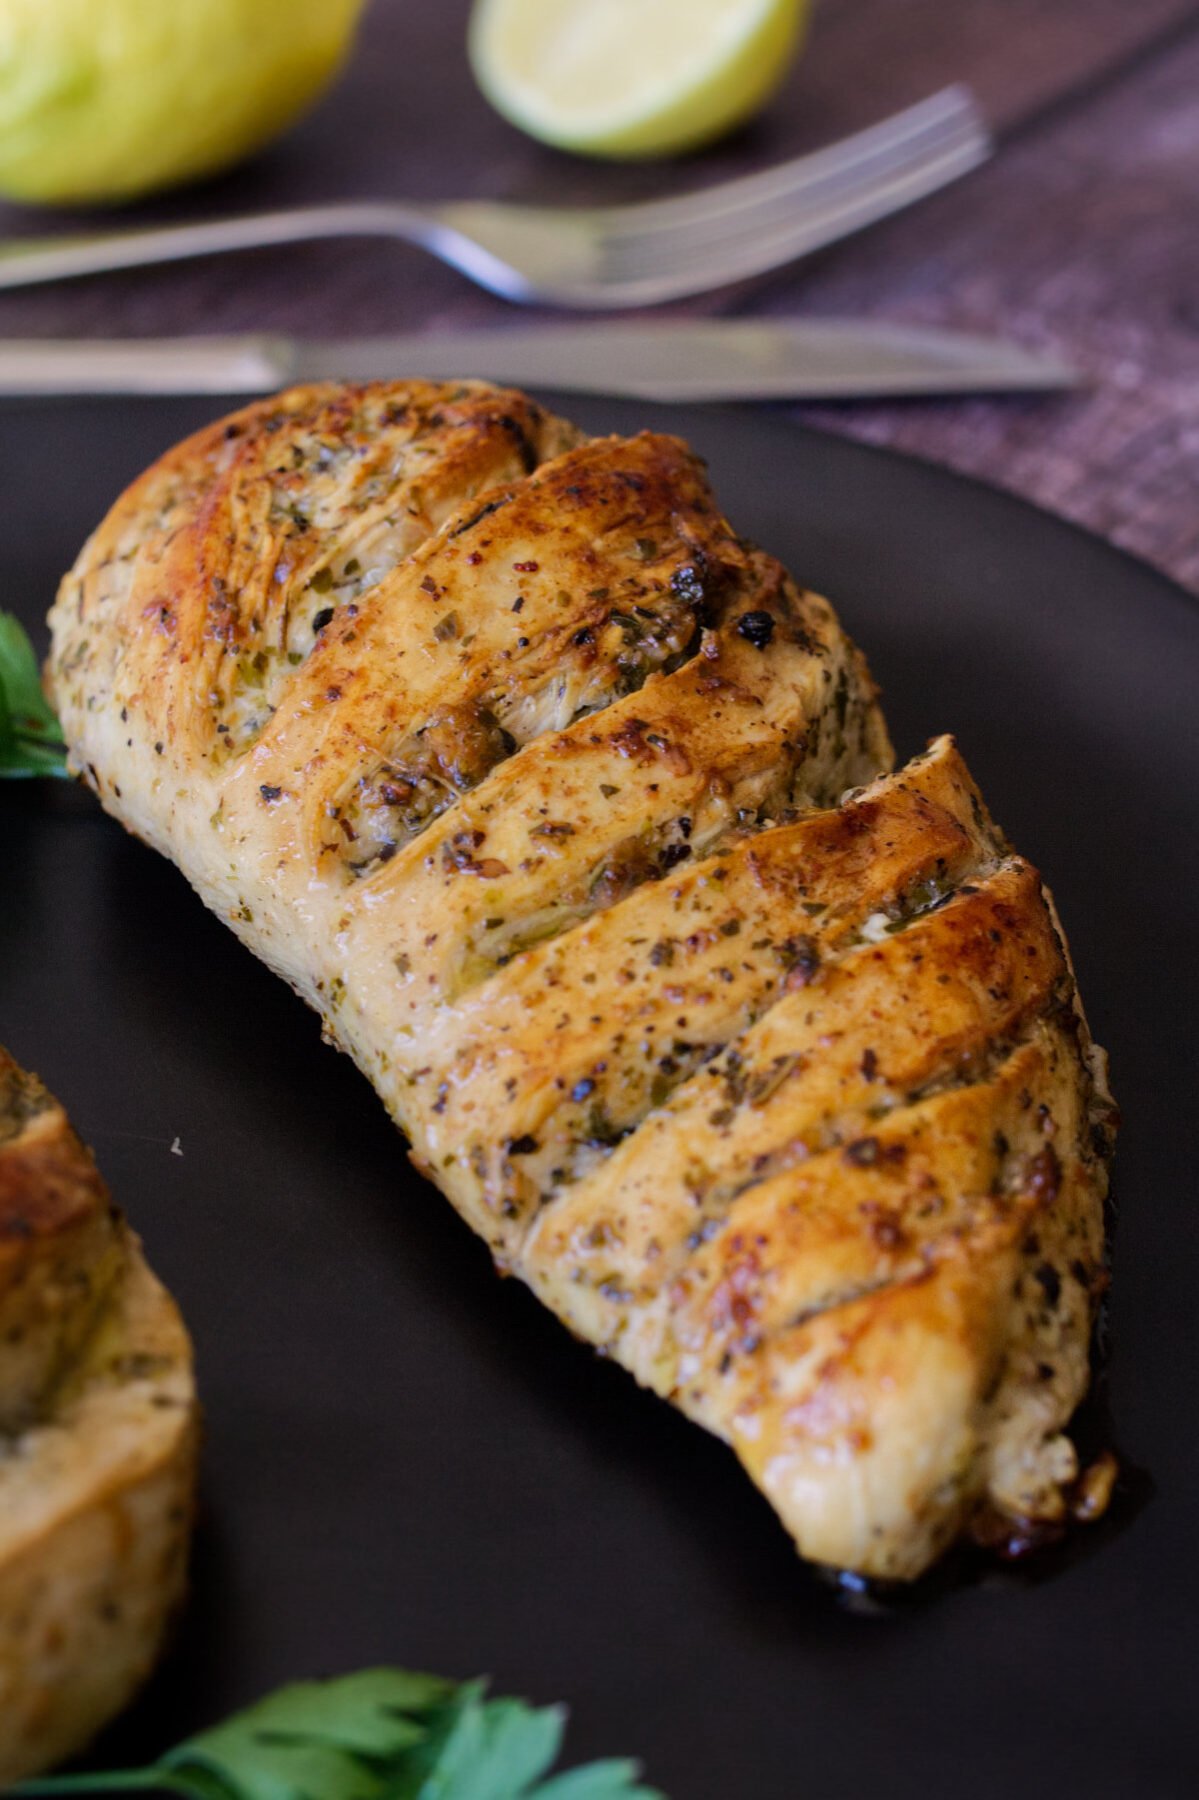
x=1082, y=235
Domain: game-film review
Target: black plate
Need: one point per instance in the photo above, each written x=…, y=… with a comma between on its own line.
x=407, y=1460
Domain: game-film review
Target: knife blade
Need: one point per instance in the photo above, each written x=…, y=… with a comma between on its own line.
x=681, y=360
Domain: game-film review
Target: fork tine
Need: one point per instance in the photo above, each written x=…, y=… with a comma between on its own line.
x=730, y=247
x=814, y=200
x=947, y=114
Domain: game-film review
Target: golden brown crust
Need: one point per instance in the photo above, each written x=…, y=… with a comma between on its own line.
x=97, y=1441
x=59, y=1243
x=764, y=1088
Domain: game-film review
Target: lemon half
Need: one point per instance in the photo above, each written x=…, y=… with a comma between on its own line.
x=106, y=99
x=628, y=78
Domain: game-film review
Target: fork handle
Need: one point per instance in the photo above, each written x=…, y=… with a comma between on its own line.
x=25, y=261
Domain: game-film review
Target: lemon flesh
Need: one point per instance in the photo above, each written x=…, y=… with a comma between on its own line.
x=107, y=99
x=630, y=78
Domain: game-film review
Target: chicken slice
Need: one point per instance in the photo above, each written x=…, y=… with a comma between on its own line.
x=98, y=1430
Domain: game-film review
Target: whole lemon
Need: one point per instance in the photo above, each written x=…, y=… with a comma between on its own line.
x=107, y=99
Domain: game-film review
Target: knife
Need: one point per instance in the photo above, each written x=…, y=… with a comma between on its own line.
x=805, y=359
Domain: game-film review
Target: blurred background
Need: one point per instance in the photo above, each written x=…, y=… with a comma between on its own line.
x=1080, y=236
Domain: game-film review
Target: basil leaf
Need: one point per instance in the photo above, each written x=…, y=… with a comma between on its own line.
x=30, y=739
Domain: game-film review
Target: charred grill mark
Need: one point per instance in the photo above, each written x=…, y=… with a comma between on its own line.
x=526, y=449
x=484, y=512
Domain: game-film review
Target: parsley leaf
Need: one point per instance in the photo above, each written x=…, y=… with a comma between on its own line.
x=496, y=1750
x=382, y=1734
x=30, y=739
x=313, y=1738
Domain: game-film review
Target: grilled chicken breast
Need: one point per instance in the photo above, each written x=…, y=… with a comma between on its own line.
x=97, y=1442
x=572, y=815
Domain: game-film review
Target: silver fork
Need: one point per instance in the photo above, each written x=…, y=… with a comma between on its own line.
x=605, y=256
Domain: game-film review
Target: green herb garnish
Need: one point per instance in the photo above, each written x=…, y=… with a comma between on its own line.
x=382, y=1734
x=30, y=739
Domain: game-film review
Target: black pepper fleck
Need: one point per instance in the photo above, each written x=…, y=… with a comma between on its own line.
x=1051, y=1283
x=862, y=1153
x=757, y=628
